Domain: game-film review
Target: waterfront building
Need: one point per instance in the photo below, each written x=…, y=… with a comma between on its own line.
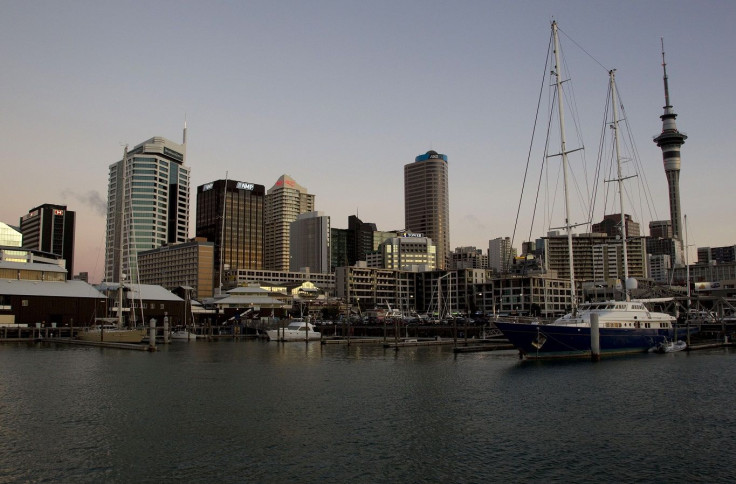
x=37, y=291
x=143, y=302
x=611, y=226
x=665, y=246
x=717, y=255
x=151, y=210
x=284, y=201
x=597, y=257
x=427, y=201
x=659, y=267
x=10, y=236
x=542, y=294
x=669, y=141
x=436, y=293
x=469, y=284
x=370, y=287
x=660, y=229
x=29, y=256
x=251, y=300
x=309, y=243
x=408, y=251
x=500, y=254
x=267, y=278
x=722, y=274
x=50, y=228
x=188, y=264
x=230, y=214
x=469, y=258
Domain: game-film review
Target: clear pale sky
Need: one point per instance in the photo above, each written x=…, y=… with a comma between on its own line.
x=340, y=95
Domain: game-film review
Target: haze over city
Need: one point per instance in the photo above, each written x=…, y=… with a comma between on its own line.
x=341, y=95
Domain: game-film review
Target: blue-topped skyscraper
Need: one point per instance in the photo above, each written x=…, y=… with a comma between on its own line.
x=427, y=202
x=670, y=141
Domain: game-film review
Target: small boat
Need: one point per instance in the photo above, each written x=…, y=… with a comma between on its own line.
x=110, y=333
x=297, y=330
x=182, y=334
x=667, y=346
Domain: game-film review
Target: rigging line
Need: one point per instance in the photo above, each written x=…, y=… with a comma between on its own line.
x=585, y=51
x=531, y=144
x=569, y=91
x=541, y=172
x=599, y=157
x=640, y=169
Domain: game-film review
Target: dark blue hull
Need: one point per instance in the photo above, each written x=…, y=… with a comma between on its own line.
x=549, y=341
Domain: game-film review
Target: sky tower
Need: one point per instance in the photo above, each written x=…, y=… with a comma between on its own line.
x=670, y=141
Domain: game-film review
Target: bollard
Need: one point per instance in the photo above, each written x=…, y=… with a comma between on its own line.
x=595, y=341
x=166, y=330
x=152, y=335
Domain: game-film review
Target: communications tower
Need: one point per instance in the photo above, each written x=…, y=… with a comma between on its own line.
x=669, y=142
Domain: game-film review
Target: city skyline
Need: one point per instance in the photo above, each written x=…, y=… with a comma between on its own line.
x=341, y=97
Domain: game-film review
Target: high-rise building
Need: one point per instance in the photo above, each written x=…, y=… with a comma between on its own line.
x=500, y=254
x=597, y=257
x=469, y=258
x=611, y=226
x=309, y=243
x=670, y=141
x=147, y=204
x=427, y=202
x=230, y=214
x=284, y=201
x=406, y=252
x=339, y=248
x=660, y=229
x=50, y=228
x=359, y=239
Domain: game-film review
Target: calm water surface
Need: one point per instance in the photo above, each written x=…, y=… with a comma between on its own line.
x=270, y=412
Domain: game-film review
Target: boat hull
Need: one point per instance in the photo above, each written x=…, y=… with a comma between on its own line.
x=290, y=335
x=183, y=336
x=113, y=335
x=538, y=341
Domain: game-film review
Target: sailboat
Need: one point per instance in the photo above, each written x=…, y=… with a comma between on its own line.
x=623, y=326
x=185, y=333
x=111, y=330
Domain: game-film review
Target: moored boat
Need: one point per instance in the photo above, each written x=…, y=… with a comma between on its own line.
x=296, y=331
x=669, y=346
x=624, y=327
x=110, y=333
x=182, y=334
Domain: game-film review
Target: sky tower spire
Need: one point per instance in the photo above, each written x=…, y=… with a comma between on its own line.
x=670, y=141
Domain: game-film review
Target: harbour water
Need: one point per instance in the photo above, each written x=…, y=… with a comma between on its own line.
x=294, y=412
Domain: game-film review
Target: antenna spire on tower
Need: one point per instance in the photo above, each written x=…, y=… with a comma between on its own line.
x=666, y=86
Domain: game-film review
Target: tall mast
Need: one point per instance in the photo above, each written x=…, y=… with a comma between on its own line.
x=614, y=101
x=563, y=149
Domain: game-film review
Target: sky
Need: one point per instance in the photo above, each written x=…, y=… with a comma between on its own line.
x=340, y=95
